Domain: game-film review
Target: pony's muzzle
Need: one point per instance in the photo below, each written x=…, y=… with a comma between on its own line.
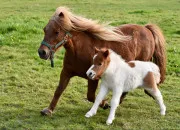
x=43, y=54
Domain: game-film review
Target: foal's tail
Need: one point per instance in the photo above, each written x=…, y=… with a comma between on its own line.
x=159, y=55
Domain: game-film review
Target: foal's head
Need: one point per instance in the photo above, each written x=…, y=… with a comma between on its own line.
x=101, y=61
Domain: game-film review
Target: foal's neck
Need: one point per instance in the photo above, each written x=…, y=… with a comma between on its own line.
x=116, y=63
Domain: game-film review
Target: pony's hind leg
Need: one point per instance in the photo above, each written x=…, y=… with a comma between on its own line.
x=155, y=92
x=101, y=95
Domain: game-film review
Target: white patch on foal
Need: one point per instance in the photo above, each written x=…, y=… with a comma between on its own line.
x=120, y=77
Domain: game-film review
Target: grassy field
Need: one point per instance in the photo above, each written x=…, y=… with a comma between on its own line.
x=27, y=83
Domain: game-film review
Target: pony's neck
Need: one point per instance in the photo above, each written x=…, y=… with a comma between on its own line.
x=79, y=40
x=69, y=46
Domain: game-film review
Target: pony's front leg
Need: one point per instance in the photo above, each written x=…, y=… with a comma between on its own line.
x=114, y=104
x=92, y=86
x=101, y=95
x=64, y=80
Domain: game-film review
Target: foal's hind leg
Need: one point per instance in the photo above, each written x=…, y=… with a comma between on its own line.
x=122, y=97
x=159, y=99
x=152, y=89
x=146, y=92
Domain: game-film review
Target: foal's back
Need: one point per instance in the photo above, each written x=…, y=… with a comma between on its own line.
x=143, y=68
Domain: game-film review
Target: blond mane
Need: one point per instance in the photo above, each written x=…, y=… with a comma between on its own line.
x=69, y=22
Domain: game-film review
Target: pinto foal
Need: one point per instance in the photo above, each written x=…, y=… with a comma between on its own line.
x=120, y=77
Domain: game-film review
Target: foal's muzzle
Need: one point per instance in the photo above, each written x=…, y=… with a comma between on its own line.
x=91, y=74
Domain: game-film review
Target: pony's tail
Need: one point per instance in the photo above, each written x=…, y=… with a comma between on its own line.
x=159, y=56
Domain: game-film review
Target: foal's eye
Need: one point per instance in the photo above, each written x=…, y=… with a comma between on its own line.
x=100, y=64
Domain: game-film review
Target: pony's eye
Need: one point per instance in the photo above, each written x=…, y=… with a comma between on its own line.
x=100, y=64
x=57, y=33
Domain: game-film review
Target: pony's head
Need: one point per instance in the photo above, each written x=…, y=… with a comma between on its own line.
x=101, y=61
x=56, y=33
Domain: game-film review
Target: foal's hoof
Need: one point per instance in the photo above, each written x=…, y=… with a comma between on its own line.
x=88, y=114
x=109, y=122
x=104, y=104
x=163, y=111
x=46, y=112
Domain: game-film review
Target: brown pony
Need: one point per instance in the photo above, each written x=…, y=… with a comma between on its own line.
x=79, y=36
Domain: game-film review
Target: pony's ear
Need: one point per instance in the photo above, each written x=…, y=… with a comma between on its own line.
x=61, y=15
x=106, y=53
x=96, y=49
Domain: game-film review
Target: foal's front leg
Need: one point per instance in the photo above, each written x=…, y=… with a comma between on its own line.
x=92, y=86
x=114, y=104
x=101, y=95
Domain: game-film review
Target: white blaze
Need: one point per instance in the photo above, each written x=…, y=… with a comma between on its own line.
x=90, y=73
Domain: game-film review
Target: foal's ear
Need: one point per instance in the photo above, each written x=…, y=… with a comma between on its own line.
x=106, y=53
x=61, y=15
x=96, y=49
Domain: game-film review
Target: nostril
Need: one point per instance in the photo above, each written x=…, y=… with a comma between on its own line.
x=90, y=73
x=42, y=52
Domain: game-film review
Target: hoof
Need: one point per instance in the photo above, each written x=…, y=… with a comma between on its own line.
x=163, y=113
x=46, y=112
x=90, y=114
x=106, y=106
x=109, y=122
x=163, y=110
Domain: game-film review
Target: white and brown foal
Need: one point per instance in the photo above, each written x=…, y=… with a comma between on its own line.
x=119, y=76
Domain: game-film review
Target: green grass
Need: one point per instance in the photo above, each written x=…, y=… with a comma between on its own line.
x=27, y=83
